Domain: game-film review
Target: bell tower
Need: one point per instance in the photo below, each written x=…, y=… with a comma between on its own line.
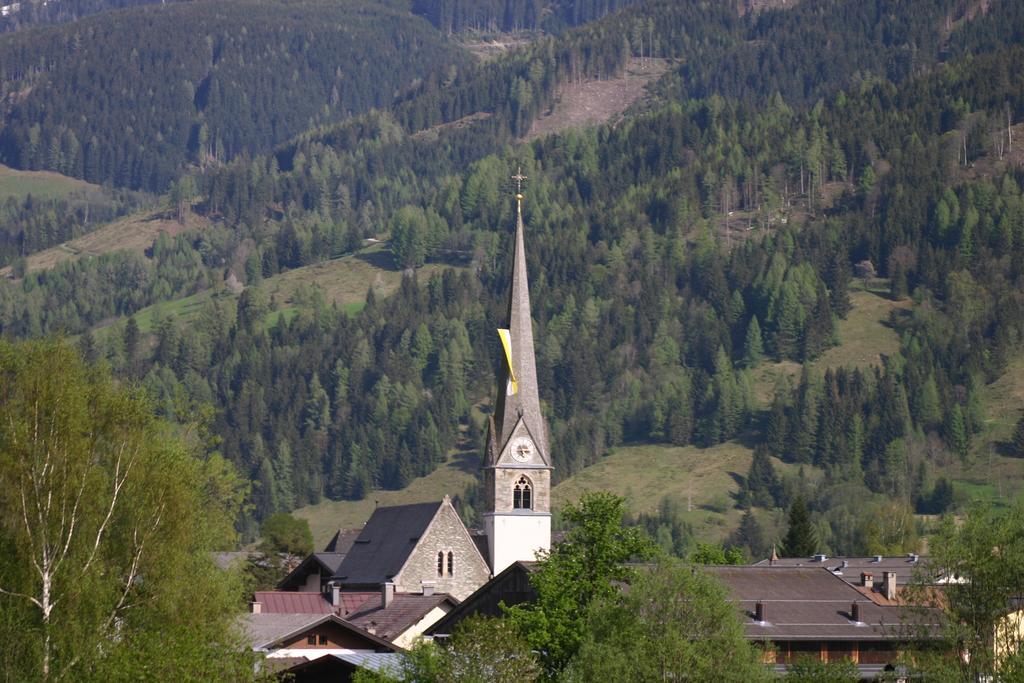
x=517, y=462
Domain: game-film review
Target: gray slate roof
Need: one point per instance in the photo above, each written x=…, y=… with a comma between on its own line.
x=385, y=543
x=527, y=401
x=265, y=629
x=850, y=568
x=811, y=603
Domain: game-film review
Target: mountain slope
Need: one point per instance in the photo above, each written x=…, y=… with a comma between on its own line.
x=131, y=97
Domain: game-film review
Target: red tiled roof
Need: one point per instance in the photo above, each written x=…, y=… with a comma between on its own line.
x=292, y=602
x=353, y=601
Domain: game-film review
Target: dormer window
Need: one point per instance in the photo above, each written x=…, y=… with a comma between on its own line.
x=522, y=495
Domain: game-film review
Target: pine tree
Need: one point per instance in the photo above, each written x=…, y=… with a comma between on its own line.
x=800, y=540
x=750, y=536
x=753, y=347
x=762, y=483
x=959, y=439
x=1017, y=443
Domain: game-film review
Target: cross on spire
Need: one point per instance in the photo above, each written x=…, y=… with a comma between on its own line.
x=519, y=178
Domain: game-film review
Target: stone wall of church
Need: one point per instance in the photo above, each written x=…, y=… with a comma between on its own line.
x=447, y=534
x=505, y=480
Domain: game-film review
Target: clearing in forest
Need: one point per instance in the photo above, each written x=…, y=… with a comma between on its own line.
x=136, y=232
x=591, y=103
x=344, y=280
x=41, y=184
x=864, y=337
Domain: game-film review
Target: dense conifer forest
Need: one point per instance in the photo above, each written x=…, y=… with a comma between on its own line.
x=839, y=137
x=201, y=83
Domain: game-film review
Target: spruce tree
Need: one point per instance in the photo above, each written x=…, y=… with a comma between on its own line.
x=800, y=539
x=762, y=482
x=1017, y=443
x=753, y=347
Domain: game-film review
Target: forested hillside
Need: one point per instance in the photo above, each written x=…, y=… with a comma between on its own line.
x=513, y=15
x=672, y=258
x=133, y=97
x=34, y=12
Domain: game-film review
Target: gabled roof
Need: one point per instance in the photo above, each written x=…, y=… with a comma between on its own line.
x=267, y=630
x=405, y=610
x=324, y=562
x=385, y=543
x=510, y=586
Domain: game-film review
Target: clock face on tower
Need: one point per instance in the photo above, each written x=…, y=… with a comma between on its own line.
x=521, y=448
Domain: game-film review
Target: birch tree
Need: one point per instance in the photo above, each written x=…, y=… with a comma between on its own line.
x=100, y=519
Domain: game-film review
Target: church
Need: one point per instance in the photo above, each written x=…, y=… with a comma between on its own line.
x=412, y=564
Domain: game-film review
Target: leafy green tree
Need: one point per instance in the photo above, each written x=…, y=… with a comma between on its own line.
x=984, y=551
x=283, y=533
x=648, y=633
x=715, y=554
x=813, y=670
x=483, y=650
x=801, y=539
x=107, y=526
x=589, y=564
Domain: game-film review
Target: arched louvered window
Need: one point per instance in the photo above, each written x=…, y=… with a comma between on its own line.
x=451, y=563
x=440, y=564
x=522, y=495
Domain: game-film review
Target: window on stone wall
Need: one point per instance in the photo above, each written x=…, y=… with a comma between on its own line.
x=440, y=564
x=451, y=563
x=522, y=498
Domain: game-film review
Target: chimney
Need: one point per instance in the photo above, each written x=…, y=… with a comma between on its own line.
x=889, y=585
x=867, y=579
x=855, y=612
x=387, y=594
x=760, y=613
x=335, y=594
x=255, y=607
x=428, y=587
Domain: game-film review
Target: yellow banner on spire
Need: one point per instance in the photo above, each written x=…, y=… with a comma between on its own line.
x=506, y=343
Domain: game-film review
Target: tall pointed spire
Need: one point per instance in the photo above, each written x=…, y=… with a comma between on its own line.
x=525, y=401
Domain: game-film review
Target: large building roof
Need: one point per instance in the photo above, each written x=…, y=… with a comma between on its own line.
x=812, y=603
x=385, y=543
x=850, y=568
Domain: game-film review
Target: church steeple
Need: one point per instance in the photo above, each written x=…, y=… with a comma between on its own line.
x=517, y=464
x=522, y=399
